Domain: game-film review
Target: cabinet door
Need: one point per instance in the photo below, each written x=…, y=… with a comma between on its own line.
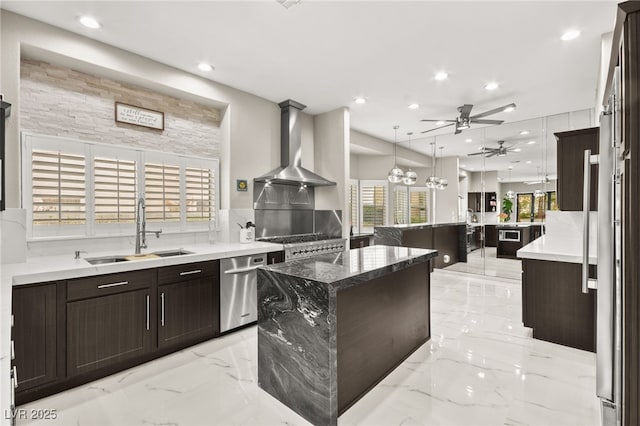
x=34, y=334
x=187, y=311
x=570, y=162
x=106, y=330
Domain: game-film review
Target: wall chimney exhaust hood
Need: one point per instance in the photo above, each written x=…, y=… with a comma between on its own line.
x=291, y=171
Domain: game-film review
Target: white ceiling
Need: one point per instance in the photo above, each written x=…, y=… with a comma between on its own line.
x=326, y=53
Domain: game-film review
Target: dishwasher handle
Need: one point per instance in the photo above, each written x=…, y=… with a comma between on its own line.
x=242, y=270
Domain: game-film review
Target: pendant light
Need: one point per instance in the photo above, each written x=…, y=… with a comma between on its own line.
x=510, y=193
x=411, y=177
x=538, y=192
x=432, y=181
x=442, y=182
x=396, y=174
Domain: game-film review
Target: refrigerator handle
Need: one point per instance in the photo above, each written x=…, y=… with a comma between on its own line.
x=586, y=205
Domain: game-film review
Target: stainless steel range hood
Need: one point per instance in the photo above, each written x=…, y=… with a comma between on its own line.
x=291, y=171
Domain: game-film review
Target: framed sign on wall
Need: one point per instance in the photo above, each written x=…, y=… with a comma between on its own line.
x=139, y=116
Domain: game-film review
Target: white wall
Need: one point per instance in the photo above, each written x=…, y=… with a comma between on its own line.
x=250, y=126
x=446, y=201
x=331, y=143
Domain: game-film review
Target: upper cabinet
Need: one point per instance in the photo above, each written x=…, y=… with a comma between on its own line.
x=571, y=147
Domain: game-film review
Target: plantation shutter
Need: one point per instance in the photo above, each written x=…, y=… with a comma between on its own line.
x=115, y=190
x=199, y=194
x=162, y=192
x=400, y=205
x=419, y=205
x=58, y=188
x=373, y=199
x=353, y=205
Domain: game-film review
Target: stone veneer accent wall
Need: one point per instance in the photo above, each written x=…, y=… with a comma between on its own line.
x=59, y=101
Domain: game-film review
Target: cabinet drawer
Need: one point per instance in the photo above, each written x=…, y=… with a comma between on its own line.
x=101, y=285
x=172, y=274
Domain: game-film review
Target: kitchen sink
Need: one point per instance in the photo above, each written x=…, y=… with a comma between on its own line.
x=126, y=258
x=105, y=259
x=169, y=253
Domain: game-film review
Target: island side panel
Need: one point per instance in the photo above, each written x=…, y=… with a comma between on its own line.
x=295, y=327
x=379, y=324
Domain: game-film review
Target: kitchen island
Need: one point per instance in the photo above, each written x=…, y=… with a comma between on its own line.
x=332, y=326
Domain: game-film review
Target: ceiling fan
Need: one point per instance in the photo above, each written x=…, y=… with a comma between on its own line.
x=500, y=151
x=464, y=120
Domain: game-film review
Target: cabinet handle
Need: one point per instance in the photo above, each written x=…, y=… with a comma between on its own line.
x=162, y=309
x=14, y=377
x=113, y=284
x=13, y=350
x=147, y=312
x=195, y=271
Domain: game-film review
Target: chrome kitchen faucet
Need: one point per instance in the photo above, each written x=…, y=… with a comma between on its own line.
x=141, y=226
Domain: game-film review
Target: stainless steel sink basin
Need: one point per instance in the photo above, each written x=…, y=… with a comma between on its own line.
x=169, y=253
x=105, y=259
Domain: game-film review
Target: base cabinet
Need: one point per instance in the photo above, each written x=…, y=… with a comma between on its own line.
x=35, y=335
x=106, y=330
x=187, y=311
x=71, y=332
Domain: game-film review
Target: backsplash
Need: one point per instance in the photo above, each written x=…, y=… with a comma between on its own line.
x=561, y=224
x=13, y=234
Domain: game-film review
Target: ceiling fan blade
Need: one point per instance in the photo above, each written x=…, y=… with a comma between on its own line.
x=473, y=120
x=465, y=110
x=493, y=111
x=492, y=154
x=436, y=128
x=435, y=121
x=476, y=153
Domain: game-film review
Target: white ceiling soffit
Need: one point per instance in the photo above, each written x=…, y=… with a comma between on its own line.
x=325, y=54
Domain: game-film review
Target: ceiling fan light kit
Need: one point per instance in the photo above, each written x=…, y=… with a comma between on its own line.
x=395, y=174
x=465, y=119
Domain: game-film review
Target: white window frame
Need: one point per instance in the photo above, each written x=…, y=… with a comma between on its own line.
x=89, y=149
x=356, y=183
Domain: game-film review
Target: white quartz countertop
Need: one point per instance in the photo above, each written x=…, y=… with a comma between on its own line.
x=558, y=249
x=49, y=268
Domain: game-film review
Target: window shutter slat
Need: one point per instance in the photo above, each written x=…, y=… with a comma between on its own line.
x=374, y=205
x=162, y=192
x=115, y=190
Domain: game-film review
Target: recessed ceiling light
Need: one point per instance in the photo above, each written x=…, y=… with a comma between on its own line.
x=524, y=132
x=517, y=150
x=468, y=140
x=89, y=22
x=360, y=101
x=571, y=35
x=510, y=167
x=491, y=86
x=414, y=106
x=531, y=142
x=442, y=75
x=203, y=66
x=528, y=162
x=509, y=109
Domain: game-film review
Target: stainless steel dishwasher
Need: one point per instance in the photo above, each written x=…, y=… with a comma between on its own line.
x=239, y=290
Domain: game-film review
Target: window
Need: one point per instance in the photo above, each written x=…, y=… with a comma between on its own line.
x=419, y=206
x=199, y=182
x=353, y=206
x=114, y=190
x=524, y=206
x=400, y=205
x=373, y=202
x=75, y=188
x=58, y=188
x=162, y=192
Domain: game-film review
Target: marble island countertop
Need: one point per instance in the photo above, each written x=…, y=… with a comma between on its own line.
x=558, y=249
x=350, y=266
x=419, y=225
x=519, y=224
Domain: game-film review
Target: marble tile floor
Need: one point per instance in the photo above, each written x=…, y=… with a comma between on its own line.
x=481, y=367
x=489, y=265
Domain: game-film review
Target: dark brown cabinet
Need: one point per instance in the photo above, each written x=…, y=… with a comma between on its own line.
x=35, y=334
x=275, y=257
x=105, y=330
x=359, y=241
x=554, y=306
x=490, y=236
x=474, y=202
x=188, y=308
x=571, y=147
